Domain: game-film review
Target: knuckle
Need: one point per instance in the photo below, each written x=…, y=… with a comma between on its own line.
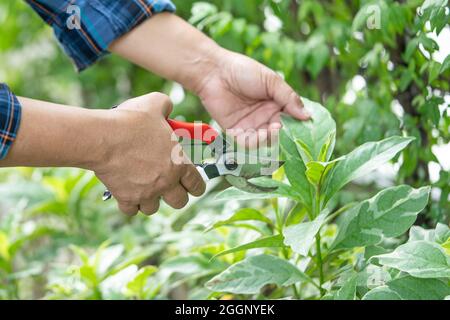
x=127, y=210
x=170, y=183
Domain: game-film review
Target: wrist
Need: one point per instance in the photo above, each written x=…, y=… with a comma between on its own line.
x=204, y=64
x=96, y=139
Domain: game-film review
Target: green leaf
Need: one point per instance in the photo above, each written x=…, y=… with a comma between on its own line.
x=137, y=285
x=445, y=65
x=88, y=274
x=417, y=233
x=432, y=4
x=390, y=213
x=318, y=60
x=190, y=265
x=348, y=290
x=4, y=246
x=429, y=44
x=442, y=233
x=421, y=259
x=266, y=242
x=253, y=273
x=411, y=48
x=283, y=191
x=405, y=80
x=381, y=293
x=363, y=160
x=246, y=214
x=200, y=11
x=434, y=68
x=311, y=136
x=446, y=246
x=295, y=169
x=410, y=288
x=300, y=237
x=374, y=250
x=316, y=171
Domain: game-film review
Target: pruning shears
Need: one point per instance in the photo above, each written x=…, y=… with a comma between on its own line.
x=237, y=168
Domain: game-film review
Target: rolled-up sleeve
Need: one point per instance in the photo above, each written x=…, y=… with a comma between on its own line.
x=10, y=111
x=86, y=28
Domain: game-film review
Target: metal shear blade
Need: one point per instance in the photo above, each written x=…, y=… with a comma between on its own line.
x=238, y=175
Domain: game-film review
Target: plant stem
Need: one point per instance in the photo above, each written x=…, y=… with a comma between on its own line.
x=317, y=210
x=320, y=264
x=296, y=293
x=337, y=213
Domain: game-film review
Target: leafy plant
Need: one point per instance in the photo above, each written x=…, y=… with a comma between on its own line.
x=106, y=275
x=359, y=259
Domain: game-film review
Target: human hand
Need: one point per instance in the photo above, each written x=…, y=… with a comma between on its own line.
x=139, y=167
x=244, y=96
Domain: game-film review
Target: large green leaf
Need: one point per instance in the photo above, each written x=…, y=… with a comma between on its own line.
x=315, y=139
x=410, y=288
x=251, y=274
x=283, y=191
x=421, y=259
x=390, y=213
x=300, y=237
x=363, y=160
x=266, y=242
x=381, y=293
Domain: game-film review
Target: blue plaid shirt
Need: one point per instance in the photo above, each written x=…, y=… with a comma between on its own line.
x=85, y=29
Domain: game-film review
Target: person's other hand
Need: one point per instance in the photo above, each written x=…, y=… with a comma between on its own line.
x=242, y=94
x=139, y=166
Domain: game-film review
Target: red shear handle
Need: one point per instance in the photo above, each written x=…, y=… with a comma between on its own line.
x=194, y=131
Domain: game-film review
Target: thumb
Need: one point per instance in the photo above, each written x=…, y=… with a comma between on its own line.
x=158, y=102
x=286, y=97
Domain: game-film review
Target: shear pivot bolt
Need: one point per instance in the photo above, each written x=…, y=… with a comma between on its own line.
x=231, y=164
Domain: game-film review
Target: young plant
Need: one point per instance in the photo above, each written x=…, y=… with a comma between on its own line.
x=110, y=273
x=360, y=260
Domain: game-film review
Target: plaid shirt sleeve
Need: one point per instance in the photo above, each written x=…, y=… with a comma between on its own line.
x=86, y=28
x=9, y=119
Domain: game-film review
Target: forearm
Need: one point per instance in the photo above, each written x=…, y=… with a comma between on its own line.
x=52, y=135
x=172, y=48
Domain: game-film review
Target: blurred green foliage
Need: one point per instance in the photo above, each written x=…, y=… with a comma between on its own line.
x=376, y=82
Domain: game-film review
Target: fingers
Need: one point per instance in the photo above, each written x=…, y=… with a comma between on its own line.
x=162, y=103
x=177, y=198
x=293, y=109
x=286, y=97
x=150, y=207
x=128, y=209
x=193, y=182
x=252, y=138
